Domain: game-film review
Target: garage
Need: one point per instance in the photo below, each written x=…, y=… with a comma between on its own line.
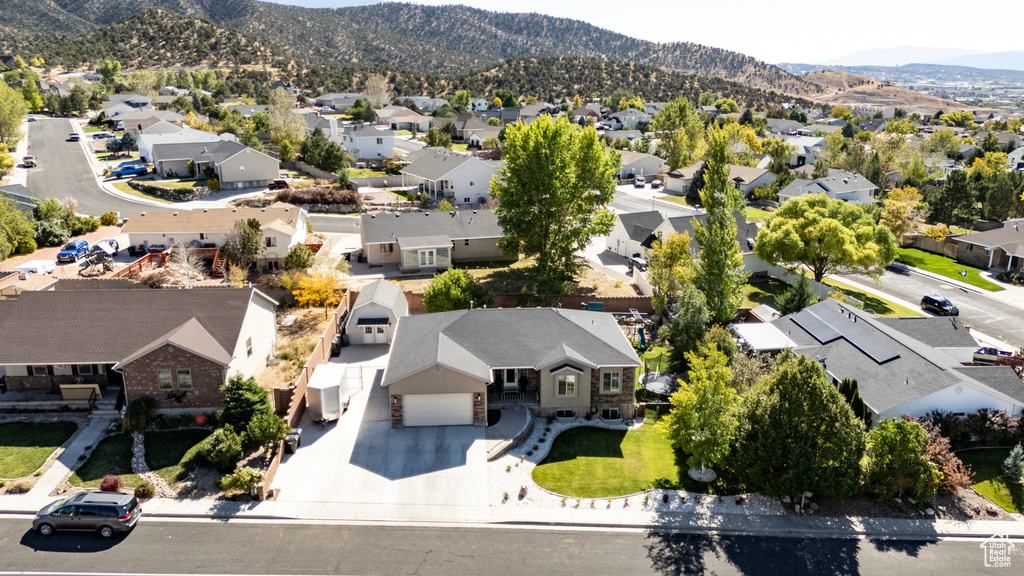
x=437, y=409
x=374, y=330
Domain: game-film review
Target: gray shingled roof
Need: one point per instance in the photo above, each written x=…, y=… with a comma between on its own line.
x=1010, y=237
x=368, y=131
x=385, y=293
x=106, y=326
x=641, y=225
x=1000, y=378
x=217, y=151
x=475, y=341
x=462, y=224
x=917, y=371
x=680, y=224
x=937, y=332
x=434, y=164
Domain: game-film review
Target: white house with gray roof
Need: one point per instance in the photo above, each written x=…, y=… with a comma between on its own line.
x=442, y=173
x=448, y=368
x=368, y=143
x=847, y=186
x=902, y=366
x=375, y=313
x=430, y=241
x=628, y=119
x=235, y=165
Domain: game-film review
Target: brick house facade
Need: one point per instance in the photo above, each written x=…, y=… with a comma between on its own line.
x=194, y=379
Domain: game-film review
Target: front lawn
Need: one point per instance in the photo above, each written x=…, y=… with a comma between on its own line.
x=589, y=462
x=880, y=306
x=756, y=214
x=945, y=267
x=116, y=157
x=177, y=184
x=91, y=129
x=762, y=291
x=171, y=454
x=124, y=187
x=113, y=455
x=402, y=133
x=988, y=478
x=364, y=173
x=25, y=446
x=681, y=200
x=460, y=147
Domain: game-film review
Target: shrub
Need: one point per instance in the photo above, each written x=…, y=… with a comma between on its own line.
x=950, y=426
x=321, y=195
x=245, y=479
x=896, y=461
x=267, y=429
x=51, y=233
x=83, y=225
x=992, y=427
x=243, y=399
x=112, y=483
x=19, y=487
x=145, y=489
x=108, y=219
x=139, y=415
x=1013, y=466
x=955, y=474
x=299, y=257
x=222, y=449
x=213, y=184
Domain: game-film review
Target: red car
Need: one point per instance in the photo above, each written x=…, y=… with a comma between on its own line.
x=279, y=185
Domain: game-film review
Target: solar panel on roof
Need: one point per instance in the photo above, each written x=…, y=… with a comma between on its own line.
x=817, y=328
x=862, y=339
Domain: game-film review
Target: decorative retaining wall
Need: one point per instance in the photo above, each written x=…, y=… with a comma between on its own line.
x=172, y=194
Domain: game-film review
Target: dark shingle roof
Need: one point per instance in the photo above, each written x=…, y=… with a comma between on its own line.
x=934, y=331
x=217, y=151
x=640, y=225
x=387, y=227
x=474, y=341
x=434, y=162
x=744, y=229
x=91, y=326
x=1000, y=378
x=1010, y=237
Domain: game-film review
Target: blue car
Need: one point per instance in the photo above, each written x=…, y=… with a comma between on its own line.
x=73, y=250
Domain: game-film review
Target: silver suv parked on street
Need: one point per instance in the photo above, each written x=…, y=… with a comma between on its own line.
x=104, y=512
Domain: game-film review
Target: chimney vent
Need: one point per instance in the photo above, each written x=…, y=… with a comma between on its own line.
x=175, y=213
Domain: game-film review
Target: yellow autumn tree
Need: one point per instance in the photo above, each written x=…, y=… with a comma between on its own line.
x=898, y=214
x=320, y=289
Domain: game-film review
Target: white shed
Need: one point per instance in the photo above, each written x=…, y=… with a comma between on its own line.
x=376, y=312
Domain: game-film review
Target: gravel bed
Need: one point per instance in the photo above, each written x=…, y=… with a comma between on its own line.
x=502, y=481
x=139, y=467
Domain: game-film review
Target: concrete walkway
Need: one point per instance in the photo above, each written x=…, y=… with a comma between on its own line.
x=68, y=459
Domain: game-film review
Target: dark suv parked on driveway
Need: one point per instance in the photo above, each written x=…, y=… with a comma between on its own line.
x=104, y=512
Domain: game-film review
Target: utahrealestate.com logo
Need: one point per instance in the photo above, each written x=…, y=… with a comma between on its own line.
x=997, y=551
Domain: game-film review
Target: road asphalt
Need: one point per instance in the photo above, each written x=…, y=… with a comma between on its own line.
x=167, y=547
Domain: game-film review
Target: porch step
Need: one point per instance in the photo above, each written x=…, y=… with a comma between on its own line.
x=512, y=396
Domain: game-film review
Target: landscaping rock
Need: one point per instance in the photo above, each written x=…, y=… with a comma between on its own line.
x=911, y=500
x=522, y=492
x=929, y=512
x=786, y=499
x=813, y=506
x=992, y=510
x=898, y=501
x=140, y=468
x=808, y=494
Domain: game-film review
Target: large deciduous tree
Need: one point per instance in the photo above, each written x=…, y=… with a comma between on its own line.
x=455, y=290
x=686, y=330
x=285, y=124
x=898, y=215
x=243, y=244
x=718, y=272
x=680, y=132
x=827, y=236
x=17, y=232
x=13, y=109
x=797, y=433
x=671, y=263
x=553, y=192
x=702, y=421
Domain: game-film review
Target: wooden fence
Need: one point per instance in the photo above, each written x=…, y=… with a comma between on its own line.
x=297, y=407
x=150, y=260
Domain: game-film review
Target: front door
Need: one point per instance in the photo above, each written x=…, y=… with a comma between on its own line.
x=381, y=335
x=511, y=379
x=367, y=334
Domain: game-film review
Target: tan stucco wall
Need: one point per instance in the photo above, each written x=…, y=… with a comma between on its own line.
x=446, y=381
x=549, y=388
x=479, y=249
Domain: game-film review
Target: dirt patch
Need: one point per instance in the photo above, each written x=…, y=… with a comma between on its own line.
x=51, y=253
x=294, y=344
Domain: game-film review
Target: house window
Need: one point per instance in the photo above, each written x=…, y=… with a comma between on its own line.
x=368, y=330
x=248, y=347
x=387, y=248
x=565, y=413
x=610, y=413
x=184, y=379
x=380, y=141
x=567, y=385
x=465, y=242
x=271, y=265
x=202, y=236
x=163, y=378
x=968, y=247
x=471, y=183
x=84, y=369
x=465, y=200
x=39, y=370
x=271, y=242
x=610, y=383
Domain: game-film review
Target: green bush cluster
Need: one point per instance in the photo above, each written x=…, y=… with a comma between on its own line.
x=140, y=415
x=222, y=449
x=145, y=489
x=172, y=194
x=245, y=479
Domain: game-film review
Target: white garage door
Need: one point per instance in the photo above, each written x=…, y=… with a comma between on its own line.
x=437, y=409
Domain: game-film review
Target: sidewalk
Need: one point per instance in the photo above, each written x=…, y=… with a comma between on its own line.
x=639, y=518
x=66, y=460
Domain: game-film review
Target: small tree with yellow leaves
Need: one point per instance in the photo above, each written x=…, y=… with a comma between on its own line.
x=319, y=289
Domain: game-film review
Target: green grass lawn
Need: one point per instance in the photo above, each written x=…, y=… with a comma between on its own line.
x=124, y=187
x=945, y=267
x=763, y=291
x=402, y=133
x=111, y=157
x=681, y=200
x=364, y=173
x=171, y=453
x=90, y=129
x=988, y=478
x=177, y=184
x=590, y=462
x=113, y=455
x=879, y=306
x=756, y=214
x=25, y=446
x=460, y=147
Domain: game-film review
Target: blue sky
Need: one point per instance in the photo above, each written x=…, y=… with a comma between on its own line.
x=774, y=32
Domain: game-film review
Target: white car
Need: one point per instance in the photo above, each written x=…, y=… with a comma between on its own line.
x=31, y=118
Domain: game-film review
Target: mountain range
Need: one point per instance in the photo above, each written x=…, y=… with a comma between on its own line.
x=899, y=55
x=424, y=39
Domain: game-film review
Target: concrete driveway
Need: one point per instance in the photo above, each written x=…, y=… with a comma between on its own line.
x=437, y=472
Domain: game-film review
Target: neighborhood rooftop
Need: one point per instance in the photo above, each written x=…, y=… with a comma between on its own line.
x=386, y=227
x=211, y=220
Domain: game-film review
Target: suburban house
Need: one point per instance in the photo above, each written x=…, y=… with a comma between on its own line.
x=286, y=86
x=1005, y=138
x=478, y=137
x=1001, y=248
x=506, y=115
x=284, y=226
x=428, y=241
x=443, y=173
x=1015, y=159
x=902, y=366
x=117, y=104
x=744, y=178
x=338, y=101
x=628, y=119
x=636, y=232
x=376, y=312
x=848, y=186
x=530, y=112
x=369, y=143
x=235, y=165
x=781, y=126
x=329, y=126
x=448, y=368
x=427, y=104
x=163, y=135
x=478, y=104
x=176, y=346
x=466, y=124
x=653, y=108
x=639, y=164
x=805, y=149
x=402, y=118
x=875, y=125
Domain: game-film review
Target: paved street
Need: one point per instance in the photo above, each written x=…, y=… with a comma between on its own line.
x=173, y=547
x=628, y=199
x=64, y=171
x=989, y=315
